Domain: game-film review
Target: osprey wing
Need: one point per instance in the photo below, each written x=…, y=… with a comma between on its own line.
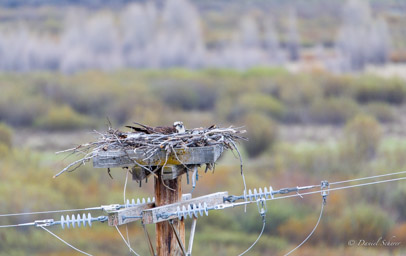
x=165, y=130
x=138, y=129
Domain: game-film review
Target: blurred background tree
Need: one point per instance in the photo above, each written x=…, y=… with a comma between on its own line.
x=262, y=133
x=362, y=137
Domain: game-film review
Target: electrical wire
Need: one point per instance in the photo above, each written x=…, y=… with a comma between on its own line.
x=311, y=233
x=338, y=188
x=118, y=230
x=11, y=226
x=44, y=212
x=260, y=234
x=242, y=174
x=125, y=187
x=126, y=225
x=370, y=177
x=319, y=191
x=235, y=204
x=98, y=208
x=63, y=241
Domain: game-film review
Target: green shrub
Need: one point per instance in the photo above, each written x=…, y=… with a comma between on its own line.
x=336, y=86
x=298, y=90
x=381, y=111
x=364, y=222
x=188, y=96
x=4, y=150
x=371, y=88
x=22, y=109
x=6, y=135
x=362, y=137
x=262, y=133
x=266, y=72
x=333, y=110
x=63, y=118
x=261, y=102
x=233, y=109
x=397, y=200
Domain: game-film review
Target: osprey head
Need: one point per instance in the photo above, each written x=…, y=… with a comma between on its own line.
x=179, y=126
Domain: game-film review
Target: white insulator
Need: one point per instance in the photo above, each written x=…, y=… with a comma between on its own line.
x=63, y=222
x=89, y=219
x=67, y=221
x=250, y=194
x=261, y=194
x=190, y=211
x=139, y=201
x=184, y=212
x=84, y=219
x=270, y=191
x=127, y=204
x=266, y=193
x=78, y=218
x=179, y=212
x=256, y=194
x=201, y=210
x=195, y=210
x=73, y=221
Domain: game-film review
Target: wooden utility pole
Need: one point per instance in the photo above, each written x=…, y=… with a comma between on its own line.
x=170, y=230
x=166, y=241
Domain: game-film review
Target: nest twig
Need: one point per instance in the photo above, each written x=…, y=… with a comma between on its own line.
x=114, y=139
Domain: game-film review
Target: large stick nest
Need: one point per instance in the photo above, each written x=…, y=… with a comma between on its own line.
x=114, y=139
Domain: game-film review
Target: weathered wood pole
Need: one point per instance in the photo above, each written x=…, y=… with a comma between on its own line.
x=166, y=242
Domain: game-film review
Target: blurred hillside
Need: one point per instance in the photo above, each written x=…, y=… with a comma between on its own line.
x=69, y=36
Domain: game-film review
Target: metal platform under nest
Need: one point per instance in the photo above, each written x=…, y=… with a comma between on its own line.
x=175, y=163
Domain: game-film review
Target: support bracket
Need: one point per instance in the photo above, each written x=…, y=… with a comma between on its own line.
x=134, y=213
x=152, y=215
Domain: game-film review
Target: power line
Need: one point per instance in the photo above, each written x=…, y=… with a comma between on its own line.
x=263, y=196
x=126, y=225
x=370, y=177
x=339, y=188
x=311, y=233
x=308, y=193
x=118, y=230
x=63, y=241
x=15, y=225
x=259, y=236
x=44, y=212
x=228, y=205
x=122, y=206
x=262, y=211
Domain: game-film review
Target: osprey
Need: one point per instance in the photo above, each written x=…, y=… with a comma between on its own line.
x=176, y=128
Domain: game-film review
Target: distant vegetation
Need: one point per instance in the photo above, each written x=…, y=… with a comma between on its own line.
x=259, y=98
x=199, y=34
